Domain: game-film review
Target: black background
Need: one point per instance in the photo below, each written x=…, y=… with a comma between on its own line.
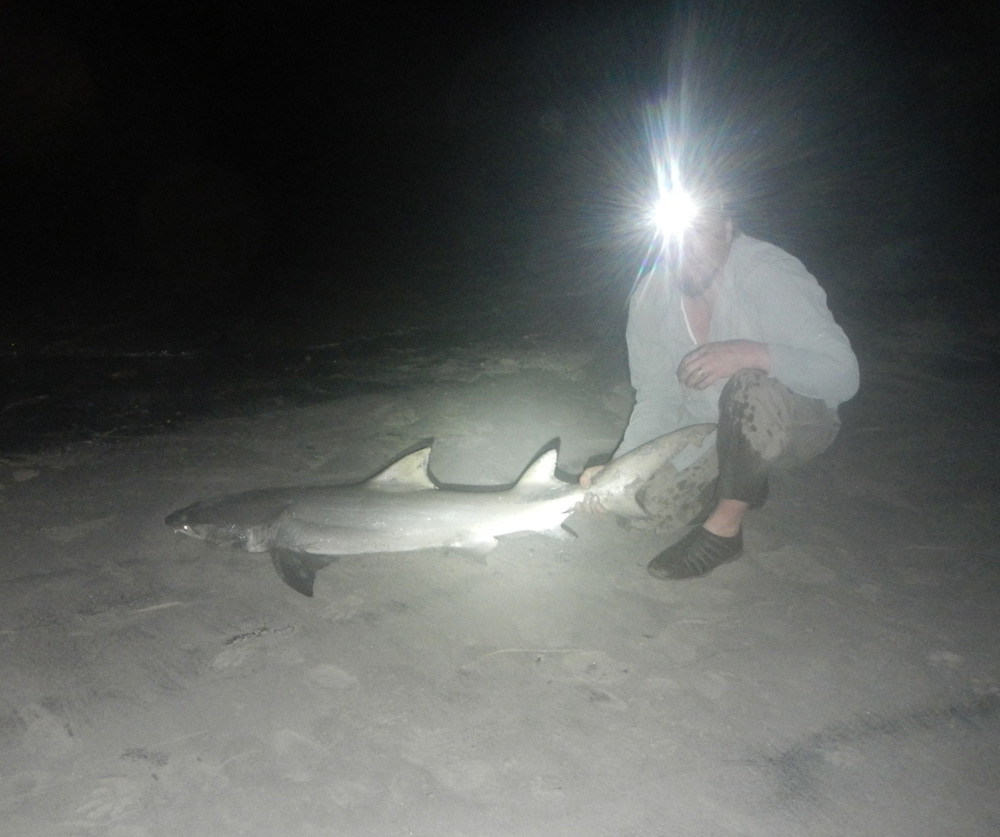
x=178, y=181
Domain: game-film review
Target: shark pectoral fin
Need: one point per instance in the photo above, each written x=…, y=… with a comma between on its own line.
x=298, y=569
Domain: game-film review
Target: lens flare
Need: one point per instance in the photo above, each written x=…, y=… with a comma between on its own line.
x=673, y=213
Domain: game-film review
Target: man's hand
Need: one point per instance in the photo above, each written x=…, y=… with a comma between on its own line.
x=590, y=504
x=587, y=477
x=713, y=362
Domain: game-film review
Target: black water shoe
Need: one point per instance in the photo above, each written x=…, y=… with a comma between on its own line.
x=696, y=554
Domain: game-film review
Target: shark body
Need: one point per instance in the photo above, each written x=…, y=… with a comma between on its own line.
x=403, y=509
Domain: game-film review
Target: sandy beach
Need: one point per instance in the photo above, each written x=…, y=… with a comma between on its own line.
x=839, y=679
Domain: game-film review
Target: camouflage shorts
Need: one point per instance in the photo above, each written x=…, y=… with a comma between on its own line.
x=763, y=426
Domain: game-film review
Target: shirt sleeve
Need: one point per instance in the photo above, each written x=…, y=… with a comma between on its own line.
x=810, y=354
x=658, y=397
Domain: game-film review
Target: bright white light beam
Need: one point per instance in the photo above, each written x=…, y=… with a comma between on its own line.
x=674, y=212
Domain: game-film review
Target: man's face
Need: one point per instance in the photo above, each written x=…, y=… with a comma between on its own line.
x=699, y=256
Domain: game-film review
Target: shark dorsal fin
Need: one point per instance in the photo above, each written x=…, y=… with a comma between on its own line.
x=541, y=473
x=407, y=473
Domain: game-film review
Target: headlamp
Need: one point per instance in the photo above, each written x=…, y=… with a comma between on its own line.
x=674, y=213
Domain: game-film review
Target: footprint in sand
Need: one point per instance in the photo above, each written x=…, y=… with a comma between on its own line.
x=46, y=732
x=330, y=677
x=440, y=752
x=945, y=659
x=69, y=532
x=113, y=798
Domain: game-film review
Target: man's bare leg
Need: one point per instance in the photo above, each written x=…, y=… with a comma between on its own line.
x=727, y=518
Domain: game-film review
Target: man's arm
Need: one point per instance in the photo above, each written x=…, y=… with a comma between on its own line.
x=658, y=396
x=807, y=351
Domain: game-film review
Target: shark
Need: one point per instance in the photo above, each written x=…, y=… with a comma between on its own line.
x=403, y=508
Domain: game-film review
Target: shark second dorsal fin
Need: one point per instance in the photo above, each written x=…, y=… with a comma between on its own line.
x=410, y=472
x=541, y=473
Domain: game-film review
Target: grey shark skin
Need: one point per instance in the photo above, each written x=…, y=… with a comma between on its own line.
x=402, y=509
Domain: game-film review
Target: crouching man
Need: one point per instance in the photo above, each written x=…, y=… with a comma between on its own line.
x=732, y=330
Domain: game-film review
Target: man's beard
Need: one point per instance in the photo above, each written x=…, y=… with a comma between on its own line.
x=695, y=285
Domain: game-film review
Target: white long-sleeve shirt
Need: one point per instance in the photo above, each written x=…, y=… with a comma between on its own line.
x=764, y=294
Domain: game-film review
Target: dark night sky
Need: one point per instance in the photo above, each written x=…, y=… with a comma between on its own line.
x=237, y=151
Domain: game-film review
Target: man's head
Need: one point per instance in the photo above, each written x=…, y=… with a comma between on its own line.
x=696, y=255
x=696, y=227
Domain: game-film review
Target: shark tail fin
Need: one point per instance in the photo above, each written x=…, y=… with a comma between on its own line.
x=298, y=569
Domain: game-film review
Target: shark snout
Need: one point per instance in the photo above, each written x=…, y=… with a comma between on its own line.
x=183, y=523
